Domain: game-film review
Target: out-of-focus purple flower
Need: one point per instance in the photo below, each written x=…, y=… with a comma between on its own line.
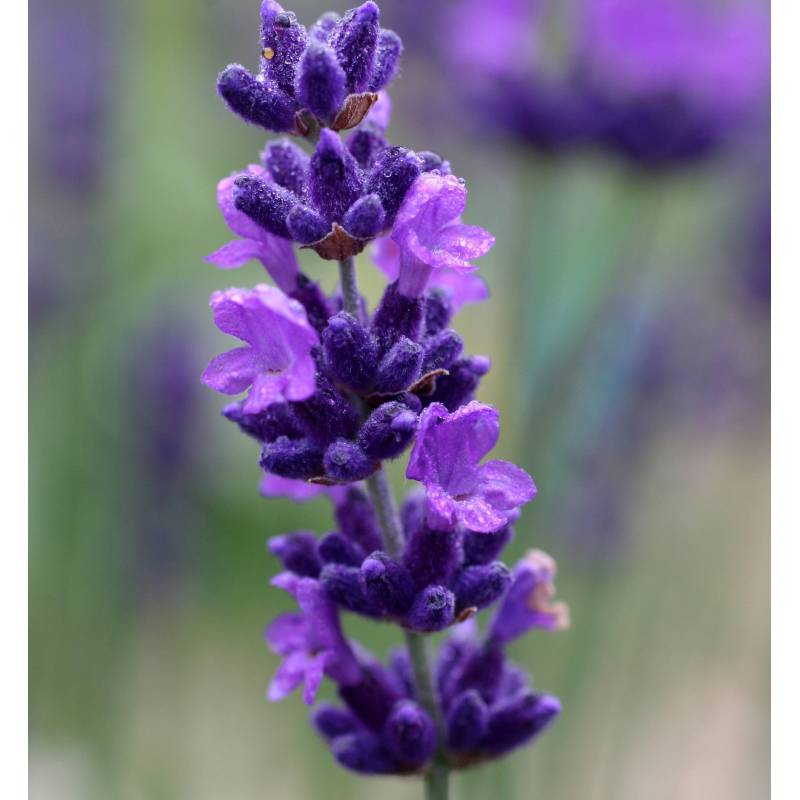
x=460, y=288
x=671, y=79
x=276, y=254
x=640, y=78
x=503, y=81
x=310, y=641
x=276, y=364
x=529, y=600
x=430, y=235
x=446, y=458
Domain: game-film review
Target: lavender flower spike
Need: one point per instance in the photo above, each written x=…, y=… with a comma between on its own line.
x=311, y=642
x=276, y=363
x=528, y=602
x=275, y=253
x=446, y=458
x=430, y=234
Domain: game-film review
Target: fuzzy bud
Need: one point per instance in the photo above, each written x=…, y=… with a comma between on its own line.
x=365, y=218
x=334, y=180
x=346, y=462
x=351, y=354
x=399, y=368
x=433, y=610
x=297, y=552
x=388, y=583
x=388, y=431
x=409, y=735
x=265, y=203
x=467, y=721
x=321, y=82
x=481, y=585
x=298, y=459
x=258, y=102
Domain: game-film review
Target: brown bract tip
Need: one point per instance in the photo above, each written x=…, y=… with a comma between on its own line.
x=354, y=109
x=337, y=245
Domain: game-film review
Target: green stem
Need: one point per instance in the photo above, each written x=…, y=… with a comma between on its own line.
x=380, y=490
x=347, y=277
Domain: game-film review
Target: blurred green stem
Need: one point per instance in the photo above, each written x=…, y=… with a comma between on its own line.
x=380, y=490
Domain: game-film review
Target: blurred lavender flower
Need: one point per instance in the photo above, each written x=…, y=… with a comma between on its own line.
x=653, y=71
x=640, y=78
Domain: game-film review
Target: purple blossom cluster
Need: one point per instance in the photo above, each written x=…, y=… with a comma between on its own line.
x=332, y=390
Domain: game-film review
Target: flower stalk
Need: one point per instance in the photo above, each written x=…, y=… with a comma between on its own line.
x=332, y=391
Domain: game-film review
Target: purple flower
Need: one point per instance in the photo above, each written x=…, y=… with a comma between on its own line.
x=460, y=288
x=276, y=363
x=430, y=235
x=276, y=254
x=328, y=76
x=653, y=73
x=310, y=641
x=529, y=600
x=446, y=458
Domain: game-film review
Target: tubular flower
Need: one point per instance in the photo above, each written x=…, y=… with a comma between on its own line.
x=446, y=459
x=276, y=363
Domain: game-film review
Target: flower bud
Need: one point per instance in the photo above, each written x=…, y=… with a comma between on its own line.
x=275, y=420
x=409, y=735
x=265, y=203
x=365, y=143
x=442, y=350
x=305, y=225
x=351, y=354
x=481, y=548
x=480, y=585
x=388, y=431
x=332, y=721
x=438, y=311
x=362, y=752
x=373, y=697
x=345, y=586
x=365, y=218
x=287, y=164
x=355, y=41
x=433, y=610
x=387, y=59
x=467, y=721
x=346, y=462
x=256, y=101
x=388, y=583
x=515, y=722
x=298, y=459
x=356, y=519
x=334, y=180
x=321, y=30
x=395, y=170
x=399, y=368
x=287, y=42
x=338, y=549
x=397, y=315
x=297, y=552
x=432, y=556
x=321, y=82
